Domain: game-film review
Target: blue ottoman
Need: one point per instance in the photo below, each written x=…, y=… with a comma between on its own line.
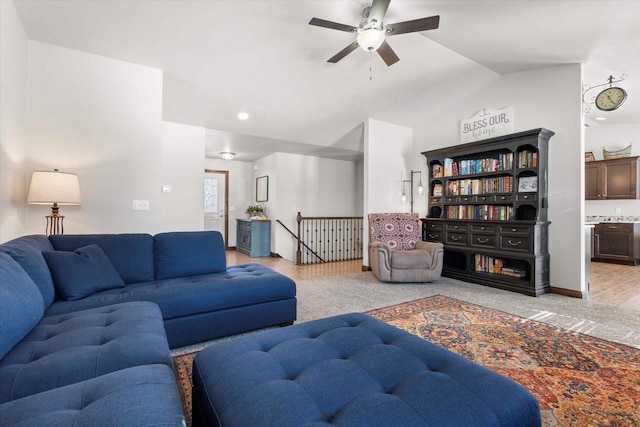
x=350, y=370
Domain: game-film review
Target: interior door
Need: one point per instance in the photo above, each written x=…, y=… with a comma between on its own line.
x=215, y=202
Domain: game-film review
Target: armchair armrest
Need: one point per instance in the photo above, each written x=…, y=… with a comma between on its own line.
x=432, y=247
x=380, y=260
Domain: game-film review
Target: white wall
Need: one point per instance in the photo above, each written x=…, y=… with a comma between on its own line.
x=181, y=169
x=13, y=122
x=314, y=186
x=549, y=98
x=101, y=118
x=240, y=191
x=388, y=152
x=612, y=137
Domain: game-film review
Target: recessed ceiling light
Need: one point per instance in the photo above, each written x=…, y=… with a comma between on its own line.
x=243, y=116
x=227, y=155
x=601, y=118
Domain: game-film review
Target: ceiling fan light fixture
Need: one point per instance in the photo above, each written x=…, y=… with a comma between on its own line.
x=227, y=155
x=371, y=39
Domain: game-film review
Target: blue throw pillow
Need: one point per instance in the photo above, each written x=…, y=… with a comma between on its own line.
x=83, y=272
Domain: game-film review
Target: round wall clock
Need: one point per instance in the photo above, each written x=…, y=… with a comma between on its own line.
x=611, y=98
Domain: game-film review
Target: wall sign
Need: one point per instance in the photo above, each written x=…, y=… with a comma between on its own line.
x=487, y=123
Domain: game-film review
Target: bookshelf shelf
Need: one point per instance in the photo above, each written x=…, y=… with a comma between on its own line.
x=488, y=205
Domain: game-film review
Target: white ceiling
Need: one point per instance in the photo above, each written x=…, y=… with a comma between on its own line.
x=262, y=57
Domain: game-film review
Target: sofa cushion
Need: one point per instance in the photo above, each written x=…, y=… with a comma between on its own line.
x=240, y=285
x=27, y=251
x=415, y=259
x=21, y=304
x=77, y=346
x=83, y=272
x=130, y=254
x=137, y=396
x=189, y=253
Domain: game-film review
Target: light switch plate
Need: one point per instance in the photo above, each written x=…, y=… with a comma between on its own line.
x=140, y=205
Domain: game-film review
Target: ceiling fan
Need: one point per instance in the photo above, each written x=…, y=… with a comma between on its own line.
x=372, y=31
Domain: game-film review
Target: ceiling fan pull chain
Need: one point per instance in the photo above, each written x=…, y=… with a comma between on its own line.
x=370, y=61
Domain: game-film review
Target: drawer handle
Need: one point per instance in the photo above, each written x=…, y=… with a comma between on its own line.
x=513, y=230
x=613, y=227
x=432, y=236
x=455, y=238
x=482, y=240
x=503, y=198
x=455, y=226
x=525, y=197
x=482, y=228
x=518, y=243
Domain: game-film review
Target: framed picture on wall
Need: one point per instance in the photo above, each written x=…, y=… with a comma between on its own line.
x=262, y=189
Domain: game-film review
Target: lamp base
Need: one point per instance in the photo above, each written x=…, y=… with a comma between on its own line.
x=55, y=222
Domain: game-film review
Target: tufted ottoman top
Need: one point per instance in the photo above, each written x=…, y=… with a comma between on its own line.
x=350, y=370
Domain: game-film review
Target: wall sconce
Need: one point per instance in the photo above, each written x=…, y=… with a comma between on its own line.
x=56, y=188
x=420, y=188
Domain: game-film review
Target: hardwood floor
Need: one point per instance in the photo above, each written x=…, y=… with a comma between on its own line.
x=298, y=272
x=617, y=285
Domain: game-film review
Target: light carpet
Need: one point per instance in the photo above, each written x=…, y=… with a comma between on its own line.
x=360, y=292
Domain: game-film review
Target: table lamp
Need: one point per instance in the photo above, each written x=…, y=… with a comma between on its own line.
x=56, y=188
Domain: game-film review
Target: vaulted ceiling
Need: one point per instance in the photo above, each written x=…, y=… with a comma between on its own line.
x=262, y=57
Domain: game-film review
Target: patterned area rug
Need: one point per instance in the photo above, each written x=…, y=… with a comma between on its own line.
x=579, y=380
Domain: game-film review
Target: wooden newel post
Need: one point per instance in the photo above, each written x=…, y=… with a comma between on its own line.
x=298, y=251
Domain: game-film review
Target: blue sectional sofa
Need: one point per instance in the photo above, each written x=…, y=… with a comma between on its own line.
x=87, y=321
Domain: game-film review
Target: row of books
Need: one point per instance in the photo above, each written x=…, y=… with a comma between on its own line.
x=503, y=162
x=484, y=212
x=501, y=184
x=488, y=264
x=528, y=159
x=493, y=265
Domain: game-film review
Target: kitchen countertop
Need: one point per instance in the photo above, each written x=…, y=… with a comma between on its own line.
x=595, y=219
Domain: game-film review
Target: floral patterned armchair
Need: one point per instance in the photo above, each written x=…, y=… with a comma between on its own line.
x=397, y=252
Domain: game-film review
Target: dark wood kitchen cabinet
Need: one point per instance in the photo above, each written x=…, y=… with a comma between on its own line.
x=618, y=242
x=612, y=179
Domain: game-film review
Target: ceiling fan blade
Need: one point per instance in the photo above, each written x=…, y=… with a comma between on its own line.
x=387, y=54
x=422, y=24
x=378, y=10
x=332, y=25
x=344, y=52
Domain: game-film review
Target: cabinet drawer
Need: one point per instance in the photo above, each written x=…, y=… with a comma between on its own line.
x=457, y=238
x=515, y=243
x=456, y=227
x=615, y=227
x=433, y=226
x=504, y=198
x=526, y=197
x=435, y=199
x=514, y=229
x=484, y=198
x=477, y=228
x=434, y=236
x=451, y=199
x=467, y=199
x=483, y=240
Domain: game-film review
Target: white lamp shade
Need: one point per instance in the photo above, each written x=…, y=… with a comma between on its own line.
x=49, y=187
x=371, y=39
